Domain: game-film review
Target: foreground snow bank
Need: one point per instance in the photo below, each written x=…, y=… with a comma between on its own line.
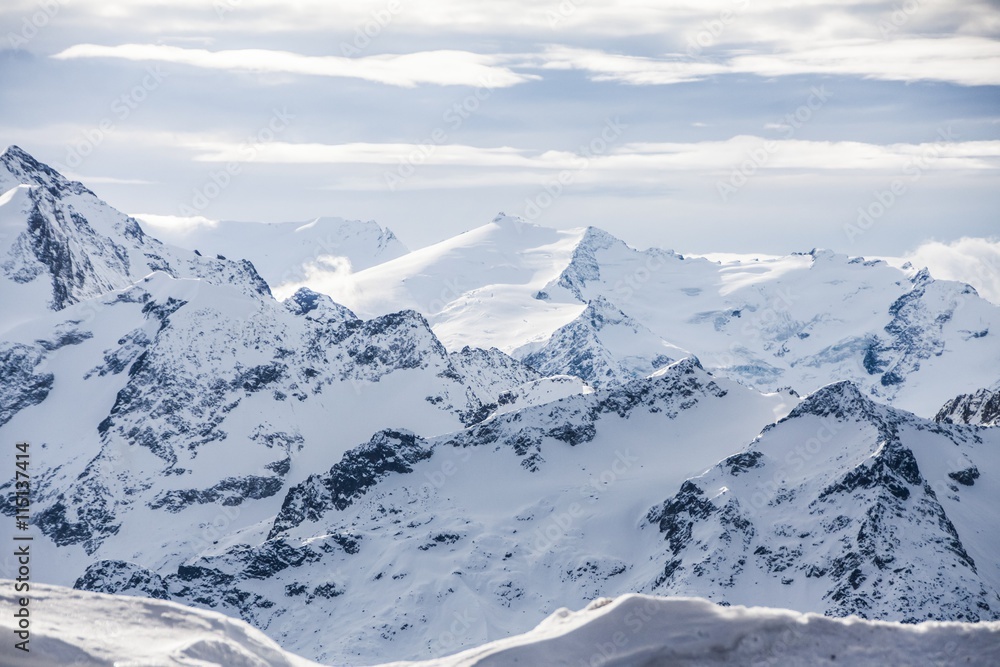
x=644, y=631
x=71, y=627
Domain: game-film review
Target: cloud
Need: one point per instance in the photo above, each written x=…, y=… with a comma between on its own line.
x=363, y=153
x=963, y=60
x=443, y=68
x=706, y=155
x=975, y=261
x=960, y=60
x=673, y=21
x=106, y=180
x=178, y=223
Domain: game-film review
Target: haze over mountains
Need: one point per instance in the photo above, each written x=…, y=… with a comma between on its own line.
x=453, y=443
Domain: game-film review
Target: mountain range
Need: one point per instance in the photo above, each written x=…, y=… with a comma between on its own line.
x=410, y=453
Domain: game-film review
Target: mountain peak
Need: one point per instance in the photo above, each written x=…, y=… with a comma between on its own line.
x=981, y=407
x=24, y=169
x=840, y=399
x=516, y=222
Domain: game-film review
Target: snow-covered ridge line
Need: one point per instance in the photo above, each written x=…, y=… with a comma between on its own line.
x=71, y=627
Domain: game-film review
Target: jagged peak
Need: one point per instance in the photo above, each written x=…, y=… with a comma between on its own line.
x=687, y=364
x=583, y=265
x=922, y=277
x=600, y=310
x=599, y=239
x=316, y=306
x=24, y=169
x=396, y=437
x=980, y=407
x=840, y=399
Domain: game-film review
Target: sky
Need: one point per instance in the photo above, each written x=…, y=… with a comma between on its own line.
x=866, y=127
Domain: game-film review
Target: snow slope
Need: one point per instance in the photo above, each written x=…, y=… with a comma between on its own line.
x=483, y=285
x=78, y=628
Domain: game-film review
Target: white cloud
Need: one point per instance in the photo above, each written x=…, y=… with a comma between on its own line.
x=628, y=69
x=109, y=180
x=975, y=261
x=363, y=153
x=728, y=21
x=442, y=68
x=706, y=155
x=962, y=60
x=178, y=223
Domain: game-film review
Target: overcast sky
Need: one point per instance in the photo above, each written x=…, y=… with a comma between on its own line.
x=743, y=125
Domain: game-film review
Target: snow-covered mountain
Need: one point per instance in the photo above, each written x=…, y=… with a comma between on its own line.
x=288, y=254
x=583, y=302
x=510, y=517
x=377, y=477
x=60, y=245
x=848, y=507
x=626, y=632
x=980, y=407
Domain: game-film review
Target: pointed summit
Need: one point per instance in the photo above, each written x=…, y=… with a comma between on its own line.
x=18, y=167
x=842, y=400
x=64, y=245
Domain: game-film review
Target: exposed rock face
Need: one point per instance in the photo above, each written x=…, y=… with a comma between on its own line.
x=981, y=407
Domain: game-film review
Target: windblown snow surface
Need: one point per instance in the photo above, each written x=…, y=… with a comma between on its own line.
x=81, y=629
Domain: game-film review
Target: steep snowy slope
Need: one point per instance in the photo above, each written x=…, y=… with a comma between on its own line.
x=845, y=507
x=287, y=253
x=802, y=321
x=77, y=628
x=484, y=285
x=60, y=244
x=495, y=525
